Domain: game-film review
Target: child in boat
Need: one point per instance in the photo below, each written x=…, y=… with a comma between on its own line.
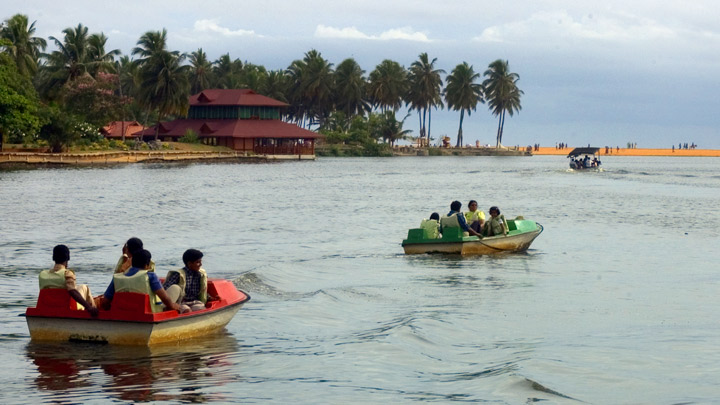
x=188, y=286
x=140, y=268
x=62, y=277
x=496, y=225
x=125, y=262
x=431, y=226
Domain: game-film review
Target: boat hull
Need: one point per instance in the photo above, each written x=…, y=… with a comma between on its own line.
x=518, y=242
x=131, y=319
x=126, y=332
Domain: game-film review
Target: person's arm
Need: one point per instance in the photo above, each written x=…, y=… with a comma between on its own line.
x=465, y=227
x=166, y=300
x=80, y=300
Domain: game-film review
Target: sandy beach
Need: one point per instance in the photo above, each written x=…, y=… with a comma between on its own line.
x=636, y=152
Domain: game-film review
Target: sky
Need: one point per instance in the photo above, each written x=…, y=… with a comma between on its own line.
x=603, y=73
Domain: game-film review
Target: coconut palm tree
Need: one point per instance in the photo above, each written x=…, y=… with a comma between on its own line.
x=200, y=71
x=462, y=93
x=226, y=71
x=387, y=85
x=425, y=89
x=275, y=85
x=502, y=93
x=71, y=60
x=312, y=87
x=350, y=88
x=164, y=85
x=151, y=43
x=99, y=60
x=24, y=48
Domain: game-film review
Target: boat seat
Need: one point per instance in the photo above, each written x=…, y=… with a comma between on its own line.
x=130, y=302
x=56, y=298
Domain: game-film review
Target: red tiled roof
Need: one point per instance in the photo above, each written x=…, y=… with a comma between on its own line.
x=245, y=97
x=115, y=128
x=233, y=128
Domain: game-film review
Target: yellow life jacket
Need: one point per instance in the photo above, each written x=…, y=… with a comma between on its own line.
x=496, y=226
x=119, y=268
x=451, y=222
x=137, y=283
x=183, y=279
x=52, y=279
x=472, y=216
x=430, y=228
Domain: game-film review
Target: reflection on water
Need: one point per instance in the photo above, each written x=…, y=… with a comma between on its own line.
x=170, y=372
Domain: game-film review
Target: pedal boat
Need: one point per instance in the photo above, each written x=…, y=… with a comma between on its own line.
x=522, y=233
x=130, y=320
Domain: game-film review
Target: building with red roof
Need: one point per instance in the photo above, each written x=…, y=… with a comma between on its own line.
x=239, y=119
x=119, y=129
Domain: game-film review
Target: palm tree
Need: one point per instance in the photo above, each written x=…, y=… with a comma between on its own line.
x=100, y=60
x=312, y=87
x=462, y=93
x=226, y=71
x=69, y=61
x=24, y=48
x=350, y=89
x=387, y=85
x=425, y=89
x=502, y=93
x=275, y=85
x=200, y=71
x=151, y=43
x=391, y=130
x=164, y=86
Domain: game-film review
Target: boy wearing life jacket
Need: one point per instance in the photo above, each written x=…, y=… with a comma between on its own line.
x=188, y=286
x=125, y=261
x=62, y=277
x=431, y=227
x=456, y=219
x=497, y=224
x=139, y=278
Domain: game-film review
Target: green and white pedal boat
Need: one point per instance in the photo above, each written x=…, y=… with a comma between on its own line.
x=522, y=233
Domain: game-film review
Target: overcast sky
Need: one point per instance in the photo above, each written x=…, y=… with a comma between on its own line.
x=593, y=72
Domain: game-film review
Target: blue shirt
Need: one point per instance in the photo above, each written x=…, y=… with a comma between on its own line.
x=152, y=278
x=461, y=220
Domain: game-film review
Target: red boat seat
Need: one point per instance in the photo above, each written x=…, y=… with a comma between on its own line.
x=130, y=302
x=55, y=298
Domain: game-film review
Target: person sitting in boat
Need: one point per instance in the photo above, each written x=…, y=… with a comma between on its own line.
x=125, y=261
x=456, y=219
x=496, y=225
x=139, y=278
x=474, y=218
x=188, y=286
x=431, y=226
x=587, y=162
x=62, y=277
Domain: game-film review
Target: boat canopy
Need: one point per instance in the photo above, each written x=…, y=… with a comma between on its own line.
x=583, y=151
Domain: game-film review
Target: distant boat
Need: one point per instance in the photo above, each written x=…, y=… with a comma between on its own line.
x=130, y=320
x=522, y=233
x=589, y=162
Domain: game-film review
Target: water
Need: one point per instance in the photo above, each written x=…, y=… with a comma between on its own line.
x=616, y=302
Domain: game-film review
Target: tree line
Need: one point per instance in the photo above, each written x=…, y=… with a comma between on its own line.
x=66, y=95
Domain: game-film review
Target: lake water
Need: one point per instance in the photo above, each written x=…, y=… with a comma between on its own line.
x=616, y=302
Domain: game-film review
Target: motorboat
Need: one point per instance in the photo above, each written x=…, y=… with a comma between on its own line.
x=130, y=319
x=585, y=159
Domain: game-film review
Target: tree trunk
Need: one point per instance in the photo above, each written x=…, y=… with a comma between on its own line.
x=460, y=134
x=497, y=136
x=429, y=124
x=502, y=126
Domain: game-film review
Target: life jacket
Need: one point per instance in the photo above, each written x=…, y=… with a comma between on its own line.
x=137, y=283
x=451, y=222
x=52, y=279
x=119, y=268
x=430, y=228
x=472, y=216
x=183, y=278
x=496, y=226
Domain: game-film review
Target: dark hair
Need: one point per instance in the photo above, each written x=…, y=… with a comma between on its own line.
x=192, y=255
x=472, y=202
x=494, y=208
x=61, y=254
x=141, y=258
x=456, y=205
x=435, y=216
x=134, y=244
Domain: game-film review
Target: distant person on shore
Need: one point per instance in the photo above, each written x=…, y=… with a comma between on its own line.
x=456, y=219
x=431, y=227
x=138, y=278
x=125, y=261
x=475, y=218
x=62, y=277
x=188, y=286
x=496, y=225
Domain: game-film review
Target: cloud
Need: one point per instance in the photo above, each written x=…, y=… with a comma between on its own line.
x=404, y=33
x=210, y=26
x=560, y=25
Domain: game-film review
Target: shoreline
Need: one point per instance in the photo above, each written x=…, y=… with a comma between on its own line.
x=636, y=152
